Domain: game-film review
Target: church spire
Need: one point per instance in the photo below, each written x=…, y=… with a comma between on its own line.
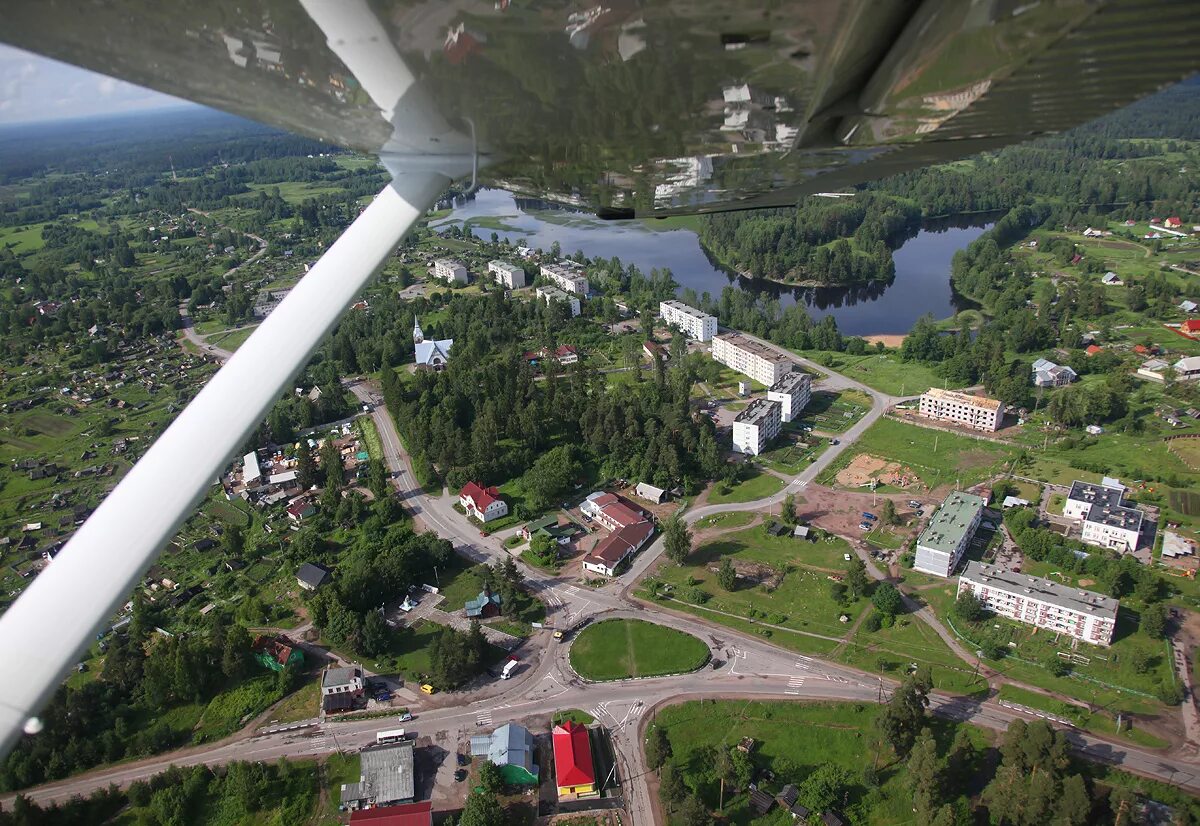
x=418, y=336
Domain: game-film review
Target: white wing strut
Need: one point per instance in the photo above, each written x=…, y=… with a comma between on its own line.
x=45, y=631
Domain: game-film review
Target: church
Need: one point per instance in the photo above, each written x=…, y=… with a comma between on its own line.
x=432, y=354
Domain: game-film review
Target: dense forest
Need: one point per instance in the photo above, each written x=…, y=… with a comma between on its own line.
x=820, y=241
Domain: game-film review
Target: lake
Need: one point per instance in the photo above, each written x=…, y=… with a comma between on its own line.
x=921, y=285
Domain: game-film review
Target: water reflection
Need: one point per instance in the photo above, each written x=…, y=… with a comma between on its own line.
x=921, y=285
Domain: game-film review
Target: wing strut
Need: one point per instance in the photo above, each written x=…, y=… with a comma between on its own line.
x=43, y=634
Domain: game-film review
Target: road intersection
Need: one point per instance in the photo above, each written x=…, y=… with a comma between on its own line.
x=742, y=665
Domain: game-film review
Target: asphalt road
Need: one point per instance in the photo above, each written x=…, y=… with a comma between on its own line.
x=747, y=666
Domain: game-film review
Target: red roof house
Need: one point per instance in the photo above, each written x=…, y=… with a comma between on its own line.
x=573, y=759
x=1192, y=325
x=1093, y=349
x=614, y=548
x=611, y=511
x=407, y=814
x=1173, y=222
x=483, y=503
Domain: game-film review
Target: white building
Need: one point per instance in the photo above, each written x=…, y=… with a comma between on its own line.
x=432, y=354
x=449, y=271
x=978, y=412
x=941, y=545
x=1106, y=521
x=793, y=392
x=568, y=275
x=694, y=324
x=756, y=426
x=763, y=364
x=484, y=503
x=347, y=680
x=1048, y=374
x=549, y=294
x=1084, y=615
x=1187, y=369
x=507, y=275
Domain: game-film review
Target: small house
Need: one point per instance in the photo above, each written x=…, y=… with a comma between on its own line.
x=512, y=749
x=484, y=606
x=311, y=576
x=761, y=802
x=574, y=770
x=650, y=493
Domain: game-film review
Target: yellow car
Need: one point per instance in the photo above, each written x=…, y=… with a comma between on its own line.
x=427, y=688
x=558, y=635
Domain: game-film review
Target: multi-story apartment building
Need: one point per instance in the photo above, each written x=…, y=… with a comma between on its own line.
x=978, y=412
x=761, y=363
x=694, y=323
x=793, y=393
x=1107, y=522
x=449, y=271
x=756, y=426
x=549, y=294
x=1084, y=615
x=507, y=275
x=940, y=546
x=568, y=275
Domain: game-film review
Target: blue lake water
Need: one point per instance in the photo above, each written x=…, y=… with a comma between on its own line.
x=921, y=285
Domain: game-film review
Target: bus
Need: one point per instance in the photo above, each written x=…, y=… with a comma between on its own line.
x=392, y=736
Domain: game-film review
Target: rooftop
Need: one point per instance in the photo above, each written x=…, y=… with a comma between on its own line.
x=945, y=530
x=338, y=676
x=685, y=308
x=386, y=775
x=613, y=548
x=573, y=755
x=1175, y=545
x=553, y=292
x=504, y=265
x=758, y=411
x=753, y=347
x=1107, y=506
x=963, y=398
x=406, y=814
x=1054, y=593
x=790, y=382
x=509, y=744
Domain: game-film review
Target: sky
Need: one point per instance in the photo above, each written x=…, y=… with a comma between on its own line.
x=34, y=88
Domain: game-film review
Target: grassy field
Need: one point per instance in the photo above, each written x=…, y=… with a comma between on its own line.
x=834, y=412
x=370, y=435
x=757, y=485
x=938, y=457
x=793, y=456
x=735, y=519
x=618, y=649
x=792, y=739
x=792, y=590
x=882, y=371
x=301, y=704
x=1099, y=723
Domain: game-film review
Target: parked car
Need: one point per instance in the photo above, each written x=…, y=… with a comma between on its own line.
x=460, y=775
x=864, y=526
x=464, y=759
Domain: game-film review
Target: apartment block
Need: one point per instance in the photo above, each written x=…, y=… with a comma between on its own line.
x=978, y=412
x=1106, y=521
x=756, y=426
x=1084, y=615
x=763, y=364
x=694, y=323
x=507, y=275
x=568, y=275
x=549, y=294
x=449, y=271
x=793, y=392
x=941, y=545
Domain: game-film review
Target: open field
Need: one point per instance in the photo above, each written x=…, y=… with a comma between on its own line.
x=882, y=371
x=834, y=412
x=842, y=734
x=937, y=457
x=757, y=485
x=617, y=649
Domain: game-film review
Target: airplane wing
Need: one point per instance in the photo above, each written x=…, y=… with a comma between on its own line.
x=627, y=108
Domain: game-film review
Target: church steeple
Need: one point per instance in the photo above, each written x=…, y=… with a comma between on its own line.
x=418, y=336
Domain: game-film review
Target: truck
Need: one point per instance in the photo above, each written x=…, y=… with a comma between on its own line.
x=509, y=668
x=869, y=516
x=390, y=736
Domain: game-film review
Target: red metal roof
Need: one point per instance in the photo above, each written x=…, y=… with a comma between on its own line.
x=1192, y=325
x=613, y=548
x=1092, y=349
x=573, y=755
x=481, y=496
x=407, y=814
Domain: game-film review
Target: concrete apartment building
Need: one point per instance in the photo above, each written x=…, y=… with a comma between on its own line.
x=568, y=275
x=694, y=323
x=978, y=412
x=507, y=275
x=449, y=271
x=1084, y=615
x=761, y=363
x=756, y=426
x=940, y=546
x=549, y=294
x=793, y=392
x=1106, y=521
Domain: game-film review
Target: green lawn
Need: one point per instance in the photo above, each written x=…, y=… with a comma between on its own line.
x=1099, y=723
x=792, y=739
x=794, y=455
x=617, y=649
x=834, y=412
x=370, y=434
x=301, y=704
x=735, y=519
x=938, y=457
x=757, y=485
x=785, y=583
x=882, y=371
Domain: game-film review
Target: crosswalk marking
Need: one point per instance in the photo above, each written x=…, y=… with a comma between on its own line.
x=795, y=683
x=803, y=665
x=484, y=718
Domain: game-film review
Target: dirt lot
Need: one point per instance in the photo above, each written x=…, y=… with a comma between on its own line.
x=840, y=512
x=864, y=468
